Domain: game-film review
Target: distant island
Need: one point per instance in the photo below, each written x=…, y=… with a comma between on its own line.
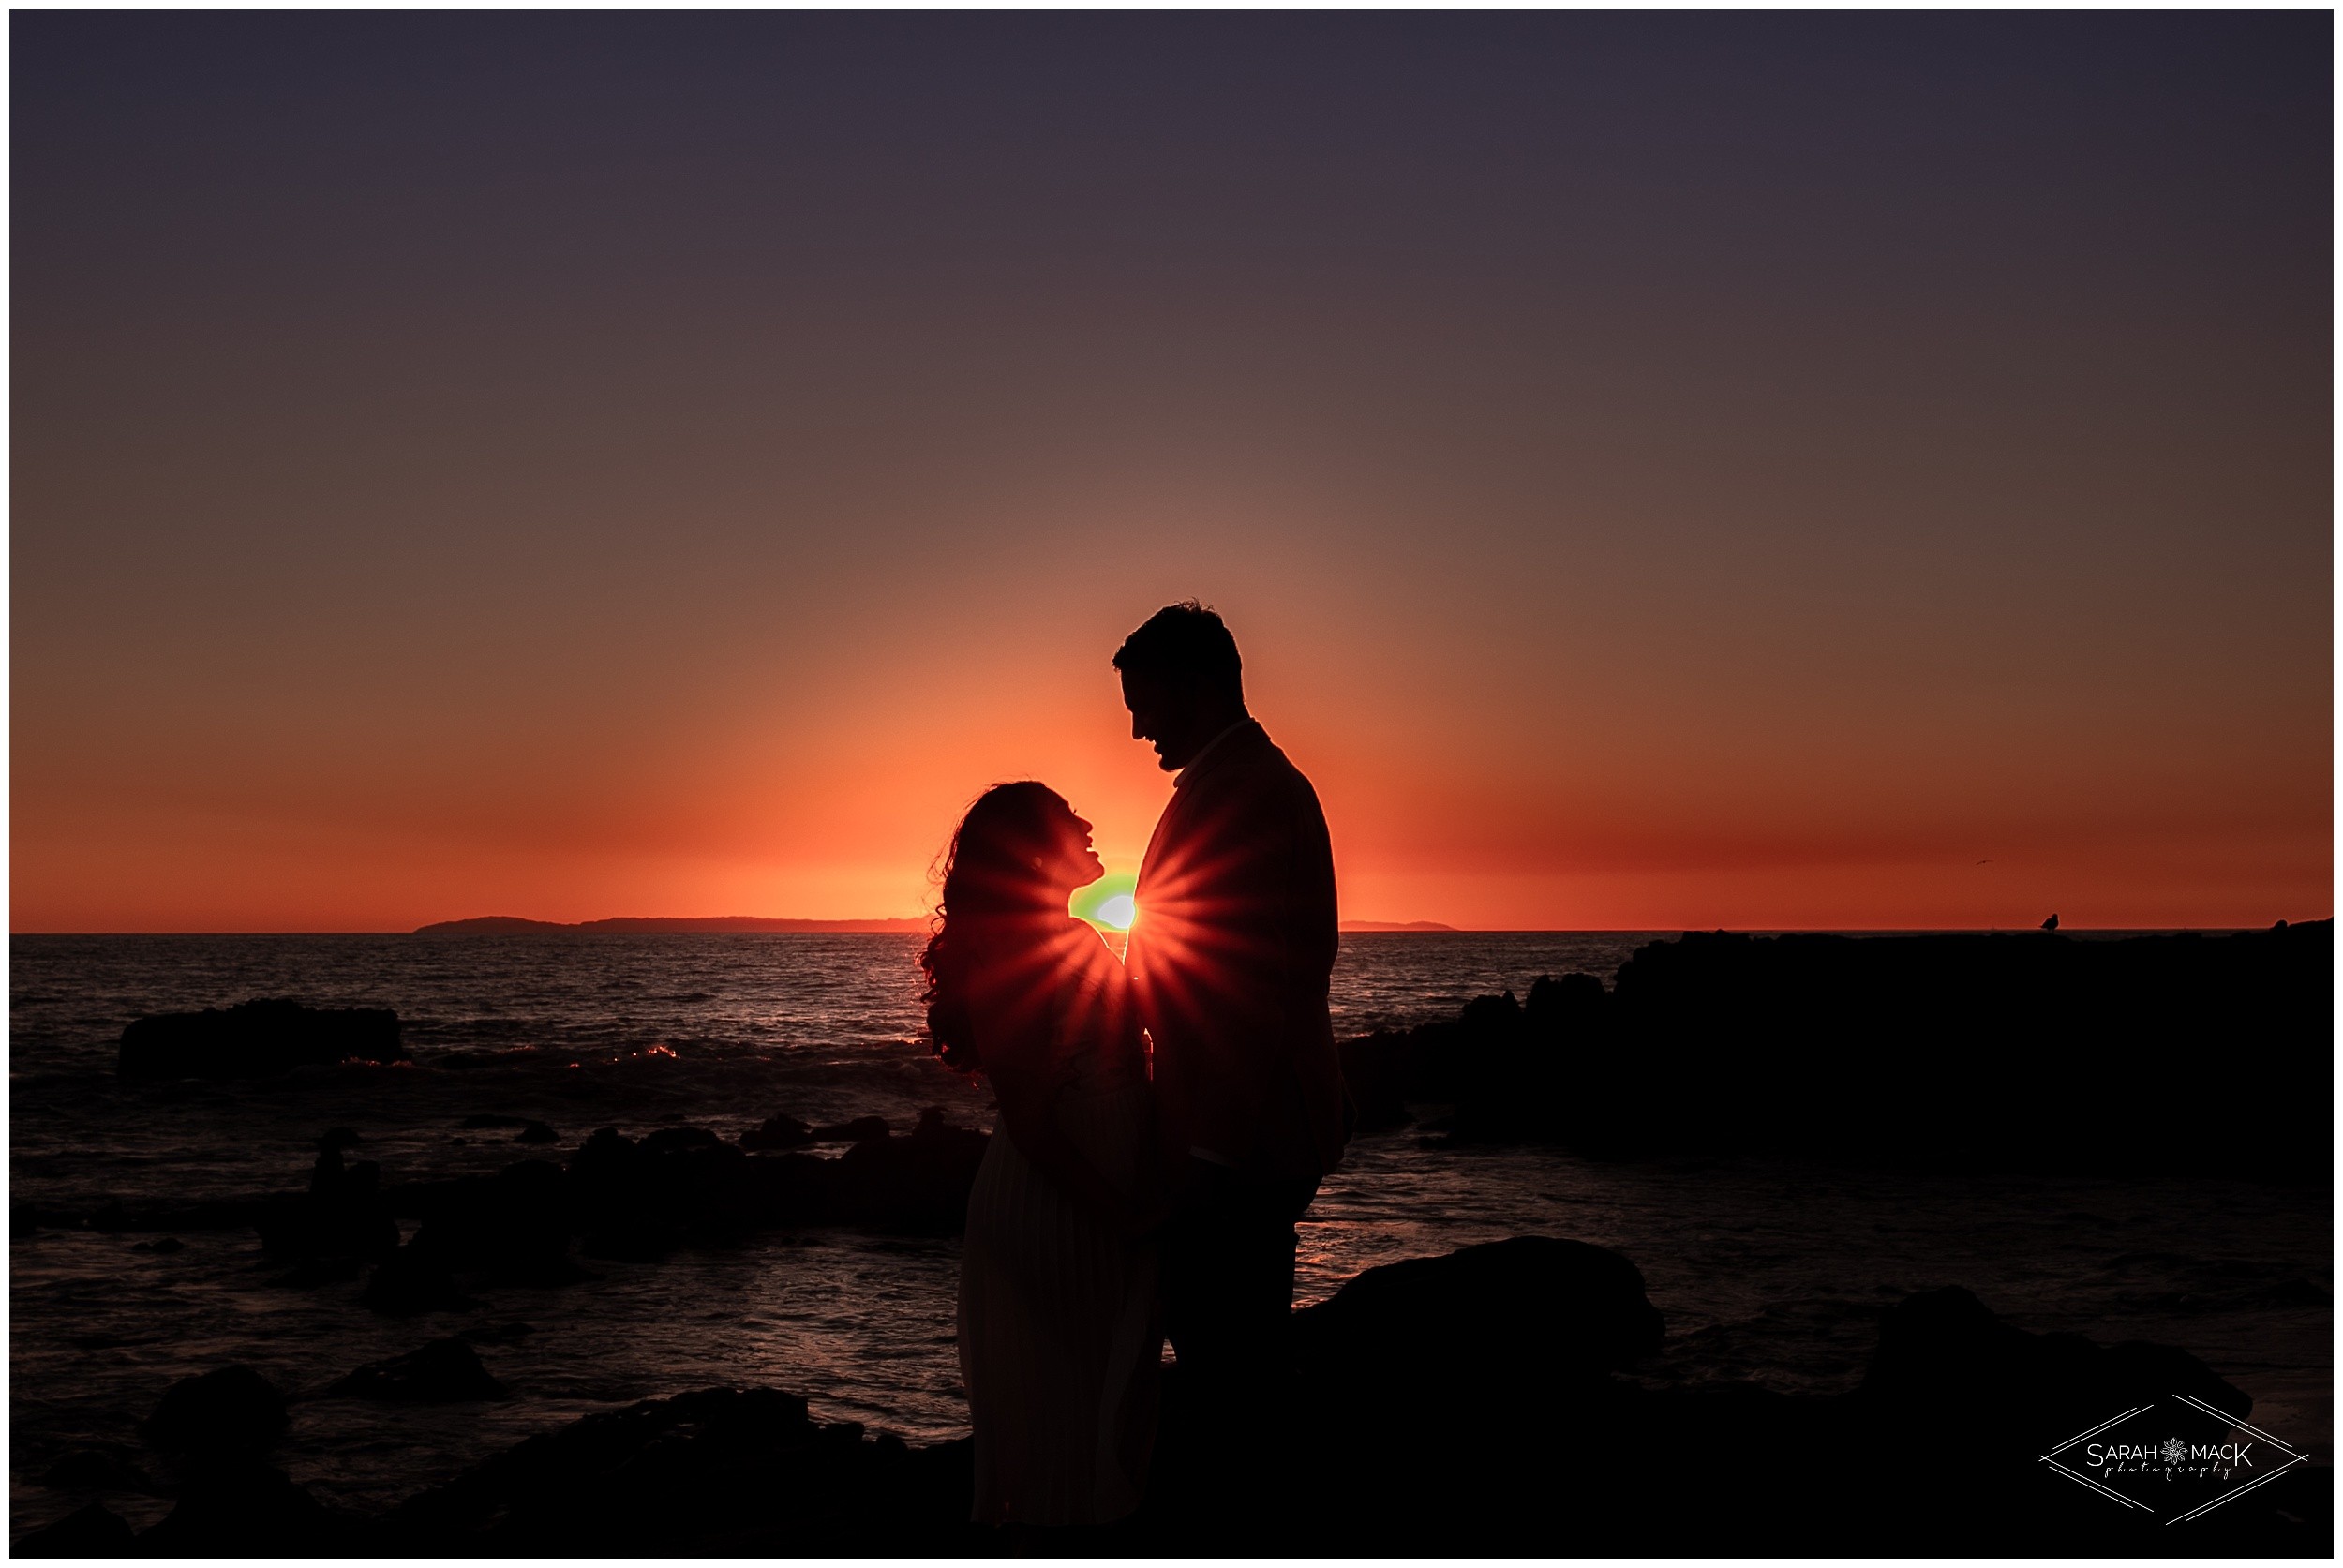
x=502, y=925
x=508, y=925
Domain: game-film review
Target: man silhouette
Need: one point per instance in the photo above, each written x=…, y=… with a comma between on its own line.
x=1229, y=955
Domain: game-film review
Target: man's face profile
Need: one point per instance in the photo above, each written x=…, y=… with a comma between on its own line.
x=1164, y=713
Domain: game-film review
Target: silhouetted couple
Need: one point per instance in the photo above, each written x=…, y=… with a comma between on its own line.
x=1165, y=1119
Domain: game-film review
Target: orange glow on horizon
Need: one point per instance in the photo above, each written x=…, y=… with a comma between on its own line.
x=841, y=812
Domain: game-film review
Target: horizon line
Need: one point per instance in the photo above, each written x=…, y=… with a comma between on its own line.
x=1418, y=928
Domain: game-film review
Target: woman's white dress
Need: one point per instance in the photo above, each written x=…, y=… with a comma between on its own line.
x=1059, y=1331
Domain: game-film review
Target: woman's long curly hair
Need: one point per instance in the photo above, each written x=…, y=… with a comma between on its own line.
x=989, y=878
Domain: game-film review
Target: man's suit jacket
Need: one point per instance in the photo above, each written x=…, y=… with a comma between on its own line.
x=1230, y=956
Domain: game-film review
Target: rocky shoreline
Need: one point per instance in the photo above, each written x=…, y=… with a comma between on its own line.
x=1486, y=1402
x=2031, y=1050
x=1478, y=1403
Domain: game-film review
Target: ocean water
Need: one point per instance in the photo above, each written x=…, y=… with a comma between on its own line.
x=1771, y=1272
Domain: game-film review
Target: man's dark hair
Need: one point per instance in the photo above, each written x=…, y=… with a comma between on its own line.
x=1187, y=644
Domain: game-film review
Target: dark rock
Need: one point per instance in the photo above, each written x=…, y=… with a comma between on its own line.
x=1947, y=1364
x=251, y=1510
x=639, y=1200
x=92, y=1529
x=256, y=1040
x=2296, y=1293
x=1948, y=1052
x=1487, y=1325
x=1455, y=1406
x=793, y=1189
x=343, y=1213
x=777, y=1132
x=407, y=1282
x=97, y=1471
x=918, y=1184
x=512, y=1228
x=862, y=1129
x=720, y=1472
x=165, y=1247
x=620, y=1217
x=231, y=1412
x=537, y=1132
x=496, y=1334
x=1379, y=1070
x=312, y=1273
x=442, y=1371
x=676, y=1139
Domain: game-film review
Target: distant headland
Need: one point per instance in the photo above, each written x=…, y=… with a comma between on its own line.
x=509, y=925
x=502, y=925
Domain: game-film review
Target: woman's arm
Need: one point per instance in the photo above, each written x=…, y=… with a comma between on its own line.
x=1028, y=1101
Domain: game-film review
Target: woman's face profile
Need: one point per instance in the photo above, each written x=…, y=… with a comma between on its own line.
x=1069, y=862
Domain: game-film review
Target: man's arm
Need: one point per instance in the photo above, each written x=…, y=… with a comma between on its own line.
x=1225, y=954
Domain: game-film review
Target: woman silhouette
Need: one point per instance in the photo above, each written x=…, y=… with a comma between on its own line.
x=1059, y=1336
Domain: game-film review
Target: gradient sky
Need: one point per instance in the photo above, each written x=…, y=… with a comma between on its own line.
x=1662, y=470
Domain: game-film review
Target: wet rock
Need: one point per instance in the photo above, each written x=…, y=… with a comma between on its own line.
x=618, y=1214
x=344, y=1214
x=862, y=1129
x=1378, y=1069
x=1945, y=1362
x=314, y=1273
x=679, y=1139
x=231, y=1410
x=256, y=1040
x=512, y=1228
x=918, y=1183
x=407, y=1282
x=1454, y=1405
x=537, y=1132
x=251, y=1510
x=92, y=1529
x=2296, y=1293
x=777, y=1132
x=793, y=1189
x=1489, y=1325
x=442, y=1371
x=96, y=1470
x=1958, y=1052
x=639, y=1200
x=496, y=1334
x=720, y=1471
x=1506, y=1067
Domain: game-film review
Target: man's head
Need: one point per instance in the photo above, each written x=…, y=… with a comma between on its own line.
x=1181, y=680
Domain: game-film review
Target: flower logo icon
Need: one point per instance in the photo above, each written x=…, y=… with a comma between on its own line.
x=2175, y=1451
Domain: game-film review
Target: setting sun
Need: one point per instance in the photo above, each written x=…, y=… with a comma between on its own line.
x=1108, y=902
